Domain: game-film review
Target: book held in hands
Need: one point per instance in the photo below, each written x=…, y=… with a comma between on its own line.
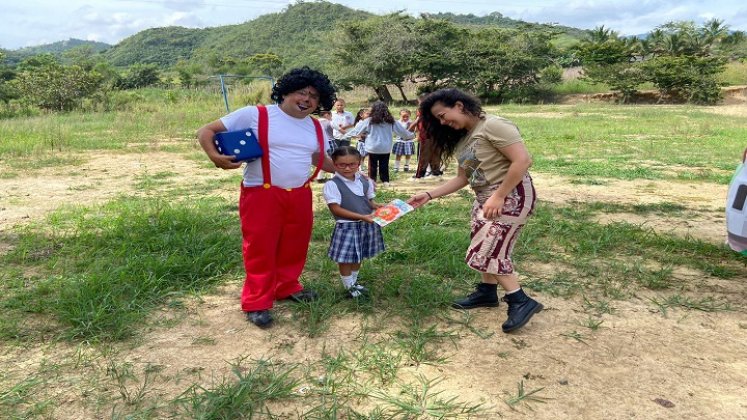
x=392, y=211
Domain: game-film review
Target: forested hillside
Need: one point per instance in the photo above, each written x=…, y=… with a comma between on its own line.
x=298, y=35
x=161, y=46
x=497, y=58
x=56, y=48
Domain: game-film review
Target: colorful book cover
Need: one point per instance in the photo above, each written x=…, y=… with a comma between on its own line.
x=392, y=211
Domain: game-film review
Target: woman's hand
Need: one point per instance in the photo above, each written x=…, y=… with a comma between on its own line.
x=493, y=206
x=368, y=218
x=419, y=199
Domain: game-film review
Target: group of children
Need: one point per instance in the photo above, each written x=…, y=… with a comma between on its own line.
x=349, y=195
x=385, y=136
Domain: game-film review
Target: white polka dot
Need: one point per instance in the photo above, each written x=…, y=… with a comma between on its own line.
x=236, y=151
x=242, y=142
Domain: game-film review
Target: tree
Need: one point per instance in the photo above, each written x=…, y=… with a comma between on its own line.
x=56, y=87
x=501, y=63
x=438, y=58
x=376, y=52
x=266, y=64
x=139, y=76
x=82, y=56
x=7, y=90
x=687, y=78
x=612, y=60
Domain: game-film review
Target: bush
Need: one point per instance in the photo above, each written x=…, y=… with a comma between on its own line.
x=56, y=87
x=687, y=78
x=139, y=76
x=18, y=108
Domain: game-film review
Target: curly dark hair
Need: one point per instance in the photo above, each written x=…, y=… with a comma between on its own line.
x=297, y=79
x=445, y=137
x=380, y=113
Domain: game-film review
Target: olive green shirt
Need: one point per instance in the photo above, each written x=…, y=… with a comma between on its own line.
x=479, y=151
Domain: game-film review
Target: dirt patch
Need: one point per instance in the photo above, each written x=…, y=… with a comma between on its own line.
x=637, y=364
x=733, y=95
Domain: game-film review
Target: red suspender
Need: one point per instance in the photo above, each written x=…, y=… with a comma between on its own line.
x=320, y=140
x=262, y=127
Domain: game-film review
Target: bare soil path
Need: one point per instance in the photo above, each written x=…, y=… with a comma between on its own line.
x=639, y=364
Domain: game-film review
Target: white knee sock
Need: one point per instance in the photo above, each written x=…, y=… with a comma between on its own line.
x=347, y=281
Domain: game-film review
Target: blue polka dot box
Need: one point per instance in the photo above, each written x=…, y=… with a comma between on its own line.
x=242, y=143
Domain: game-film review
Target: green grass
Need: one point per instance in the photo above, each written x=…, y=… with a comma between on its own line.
x=105, y=268
x=631, y=142
x=584, y=141
x=735, y=74
x=101, y=270
x=102, y=275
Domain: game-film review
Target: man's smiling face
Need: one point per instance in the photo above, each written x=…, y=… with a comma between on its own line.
x=301, y=103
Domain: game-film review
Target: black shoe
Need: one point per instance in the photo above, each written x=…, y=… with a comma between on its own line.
x=407, y=169
x=357, y=291
x=485, y=295
x=521, y=308
x=262, y=319
x=305, y=295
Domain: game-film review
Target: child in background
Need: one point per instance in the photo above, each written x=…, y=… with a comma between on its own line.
x=381, y=127
x=363, y=113
x=325, y=119
x=402, y=146
x=356, y=237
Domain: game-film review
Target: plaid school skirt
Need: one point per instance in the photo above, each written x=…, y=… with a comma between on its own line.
x=492, y=240
x=406, y=148
x=352, y=242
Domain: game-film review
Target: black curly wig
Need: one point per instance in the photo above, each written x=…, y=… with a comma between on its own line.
x=445, y=137
x=297, y=79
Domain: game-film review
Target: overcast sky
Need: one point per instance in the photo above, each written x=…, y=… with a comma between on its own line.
x=35, y=22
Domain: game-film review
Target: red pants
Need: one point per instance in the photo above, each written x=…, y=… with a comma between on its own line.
x=276, y=227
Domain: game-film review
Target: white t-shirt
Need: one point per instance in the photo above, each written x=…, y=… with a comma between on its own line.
x=332, y=193
x=291, y=141
x=345, y=119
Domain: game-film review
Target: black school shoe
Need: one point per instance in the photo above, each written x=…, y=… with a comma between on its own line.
x=521, y=308
x=484, y=296
x=357, y=291
x=262, y=319
x=305, y=295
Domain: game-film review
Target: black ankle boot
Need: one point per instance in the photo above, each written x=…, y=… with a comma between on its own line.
x=520, y=310
x=485, y=295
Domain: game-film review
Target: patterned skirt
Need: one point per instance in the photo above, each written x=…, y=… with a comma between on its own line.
x=406, y=147
x=493, y=239
x=352, y=242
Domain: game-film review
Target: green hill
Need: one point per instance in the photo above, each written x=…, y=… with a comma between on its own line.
x=300, y=34
x=497, y=19
x=14, y=57
x=162, y=46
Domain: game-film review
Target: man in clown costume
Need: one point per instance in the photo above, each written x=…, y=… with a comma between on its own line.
x=275, y=204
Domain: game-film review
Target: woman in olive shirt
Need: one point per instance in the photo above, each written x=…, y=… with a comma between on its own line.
x=493, y=161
